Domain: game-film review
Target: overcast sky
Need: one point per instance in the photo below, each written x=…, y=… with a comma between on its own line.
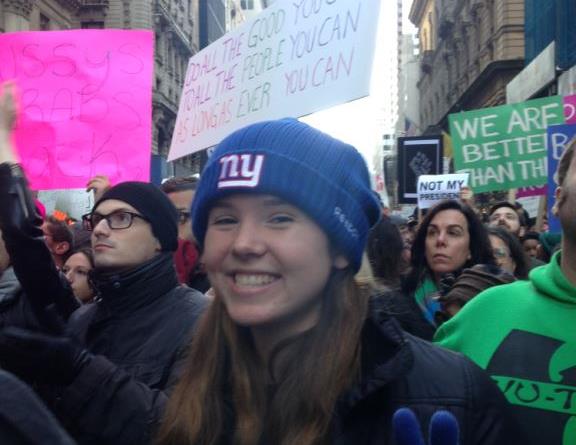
x=357, y=122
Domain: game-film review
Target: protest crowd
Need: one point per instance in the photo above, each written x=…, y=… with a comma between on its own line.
x=274, y=299
x=241, y=308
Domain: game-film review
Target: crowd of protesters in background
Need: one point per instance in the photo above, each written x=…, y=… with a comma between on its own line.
x=274, y=300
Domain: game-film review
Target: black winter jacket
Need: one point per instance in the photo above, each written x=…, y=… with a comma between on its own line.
x=399, y=370
x=44, y=292
x=137, y=332
x=14, y=307
x=405, y=310
x=24, y=420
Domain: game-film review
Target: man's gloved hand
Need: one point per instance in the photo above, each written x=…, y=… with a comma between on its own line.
x=40, y=358
x=443, y=428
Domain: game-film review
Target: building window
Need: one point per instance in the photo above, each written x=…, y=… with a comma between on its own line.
x=92, y=25
x=44, y=23
x=247, y=4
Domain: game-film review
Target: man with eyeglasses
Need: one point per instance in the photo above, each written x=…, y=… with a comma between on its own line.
x=107, y=378
x=181, y=191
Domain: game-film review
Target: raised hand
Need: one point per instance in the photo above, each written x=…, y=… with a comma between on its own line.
x=7, y=107
x=443, y=428
x=99, y=184
x=8, y=114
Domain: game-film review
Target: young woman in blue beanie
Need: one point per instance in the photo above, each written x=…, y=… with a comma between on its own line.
x=290, y=351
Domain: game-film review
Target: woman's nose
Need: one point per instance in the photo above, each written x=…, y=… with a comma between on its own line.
x=249, y=240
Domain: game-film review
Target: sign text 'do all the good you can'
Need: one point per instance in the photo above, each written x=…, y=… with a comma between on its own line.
x=293, y=59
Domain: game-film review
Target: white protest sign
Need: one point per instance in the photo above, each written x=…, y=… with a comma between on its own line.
x=435, y=188
x=293, y=59
x=531, y=204
x=74, y=202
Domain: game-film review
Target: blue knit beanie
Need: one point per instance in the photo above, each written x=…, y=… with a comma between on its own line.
x=320, y=175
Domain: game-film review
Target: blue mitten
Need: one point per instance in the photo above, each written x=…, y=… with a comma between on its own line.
x=443, y=428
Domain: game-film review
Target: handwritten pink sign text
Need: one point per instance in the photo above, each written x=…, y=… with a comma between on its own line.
x=85, y=104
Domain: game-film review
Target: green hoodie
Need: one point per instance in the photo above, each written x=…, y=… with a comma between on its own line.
x=524, y=335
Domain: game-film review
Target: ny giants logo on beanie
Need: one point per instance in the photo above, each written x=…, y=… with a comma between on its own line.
x=240, y=170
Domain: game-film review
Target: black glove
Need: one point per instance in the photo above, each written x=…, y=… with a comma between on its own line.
x=40, y=358
x=447, y=280
x=443, y=428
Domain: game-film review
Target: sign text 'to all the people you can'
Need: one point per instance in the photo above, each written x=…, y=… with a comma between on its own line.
x=293, y=59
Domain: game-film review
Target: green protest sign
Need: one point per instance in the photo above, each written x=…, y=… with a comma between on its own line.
x=505, y=147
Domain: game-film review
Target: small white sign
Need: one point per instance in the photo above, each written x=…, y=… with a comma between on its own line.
x=293, y=59
x=531, y=204
x=74, y=202
x=435, y=188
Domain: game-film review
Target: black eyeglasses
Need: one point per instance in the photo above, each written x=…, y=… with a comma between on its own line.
x=183, y=216
x=115, y=220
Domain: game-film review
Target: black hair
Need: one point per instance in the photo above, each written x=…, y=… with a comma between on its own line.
x=384, y=249
x=59, y=230
x=516, y=251
x=521, y=216
x=179, y=184
x=530, y=235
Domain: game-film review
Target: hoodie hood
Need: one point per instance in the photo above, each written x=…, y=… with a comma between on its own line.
x=550, y=281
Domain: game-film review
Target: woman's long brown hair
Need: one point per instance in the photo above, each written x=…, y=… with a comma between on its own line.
x=223, y=392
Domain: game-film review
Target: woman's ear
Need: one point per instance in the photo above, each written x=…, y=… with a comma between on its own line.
x=558, y=197
x=340, y=262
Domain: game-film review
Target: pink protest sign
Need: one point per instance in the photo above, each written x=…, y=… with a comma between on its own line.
x=85, y=104
x=526, y=192
x=570, y=109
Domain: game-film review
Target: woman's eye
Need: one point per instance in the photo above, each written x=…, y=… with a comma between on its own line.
x=280, y=219
x=223, y=220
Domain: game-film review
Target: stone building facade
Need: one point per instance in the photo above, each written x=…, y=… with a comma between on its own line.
x=176, y=25
x=469, y=51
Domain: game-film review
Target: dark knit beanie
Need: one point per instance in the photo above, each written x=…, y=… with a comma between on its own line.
x=153, y=204
x=321, y=175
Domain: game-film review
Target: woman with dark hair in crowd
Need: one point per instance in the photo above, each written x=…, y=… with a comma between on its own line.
x=508, y=252
x=386, y=254
x=384, y=249
x=77, y=269
x=450, y=238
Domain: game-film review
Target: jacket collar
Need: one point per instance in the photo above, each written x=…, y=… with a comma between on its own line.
x=138, y=287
